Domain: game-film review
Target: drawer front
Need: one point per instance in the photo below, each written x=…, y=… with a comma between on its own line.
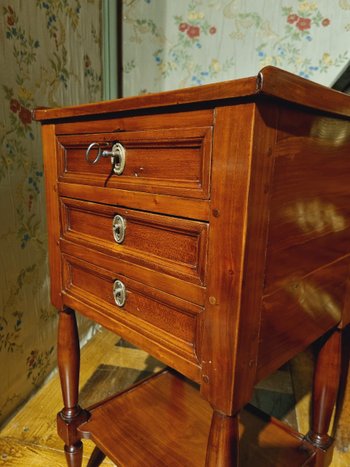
x=166, y=318
x=166, y=161
x=171, y=245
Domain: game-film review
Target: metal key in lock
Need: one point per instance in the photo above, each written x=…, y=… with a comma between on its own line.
x=117, y=155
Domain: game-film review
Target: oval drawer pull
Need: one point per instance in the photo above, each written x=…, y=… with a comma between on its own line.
x=117, y=155
x=119, y=228
x=119, y=293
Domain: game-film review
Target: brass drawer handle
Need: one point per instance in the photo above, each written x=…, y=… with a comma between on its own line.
x=119, y=228
x=117, y=155
x=119, y=293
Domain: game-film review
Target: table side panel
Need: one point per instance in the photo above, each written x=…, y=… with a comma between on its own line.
x=308, y=246
x=50, y=157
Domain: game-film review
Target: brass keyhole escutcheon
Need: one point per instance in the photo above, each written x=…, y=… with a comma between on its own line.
x=119, y=293
x=119, y=228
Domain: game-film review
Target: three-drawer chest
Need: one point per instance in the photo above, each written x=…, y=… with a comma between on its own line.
x=209, y=226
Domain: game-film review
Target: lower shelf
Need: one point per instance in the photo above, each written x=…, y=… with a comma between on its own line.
x=163, y=421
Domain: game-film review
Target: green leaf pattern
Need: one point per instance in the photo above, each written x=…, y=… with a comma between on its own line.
x=189, y=43
x=48, y=45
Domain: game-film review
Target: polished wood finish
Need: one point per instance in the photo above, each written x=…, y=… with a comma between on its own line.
x=223, y=441
x=74, y=454
x=71, y=416
x=289, y=87
x=174, y=161
x=160, y=406
x=228, y=224
x=171, y=426
x=342, y=414
x=326, y=387
x=188, y=291
x=125, y=122
x=52, y=213
x=327, y=375
x=236, y=255
x=30, y=438
x=230, y=89
x=307, y=259
x=270, y=81
x=97, y=457
x=163, y=204
x=154, y=241
x=166, y=318
x=68, y=354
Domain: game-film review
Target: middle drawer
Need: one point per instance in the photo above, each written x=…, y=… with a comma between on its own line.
x=166, y=244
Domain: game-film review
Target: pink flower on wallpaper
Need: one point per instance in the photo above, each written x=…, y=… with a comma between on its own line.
x=14, y=105
x=183, y=27
x=326, y=22
x=25, y=115
x=30, y=202
x=212, y=30
x=303, y=24
x=10, y=20
x=32, y=359
x=193, y=31
x=292, y=18
x=87, y=61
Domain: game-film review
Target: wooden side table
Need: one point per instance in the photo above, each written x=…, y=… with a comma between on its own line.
x=211, y=227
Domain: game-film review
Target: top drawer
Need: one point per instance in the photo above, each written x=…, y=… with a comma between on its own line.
x=165, y=161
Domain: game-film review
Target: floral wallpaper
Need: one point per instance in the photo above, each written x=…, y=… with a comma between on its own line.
x=171, y=44
x=50, y=55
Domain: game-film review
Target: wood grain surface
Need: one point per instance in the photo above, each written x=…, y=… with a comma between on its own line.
x=31, y=437
x=236, y=255
x=270, y=81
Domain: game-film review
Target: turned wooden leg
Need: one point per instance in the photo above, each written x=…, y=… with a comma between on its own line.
x=341, y=420
x=325, y=392
x=222, y=448
x=71, y=416
x=96, y=458
x=74, y=454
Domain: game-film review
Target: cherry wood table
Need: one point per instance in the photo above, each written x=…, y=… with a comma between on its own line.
x=209, y=226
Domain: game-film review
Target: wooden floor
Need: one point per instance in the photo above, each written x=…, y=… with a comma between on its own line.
x=107, y=363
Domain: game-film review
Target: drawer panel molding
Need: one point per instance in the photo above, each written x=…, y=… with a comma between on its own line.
x=172, y=245
x=144, y=309
x=169, y=161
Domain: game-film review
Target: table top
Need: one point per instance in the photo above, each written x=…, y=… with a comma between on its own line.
x=270, y=81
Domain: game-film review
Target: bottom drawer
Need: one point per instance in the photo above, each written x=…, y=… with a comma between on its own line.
x=165, y=319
